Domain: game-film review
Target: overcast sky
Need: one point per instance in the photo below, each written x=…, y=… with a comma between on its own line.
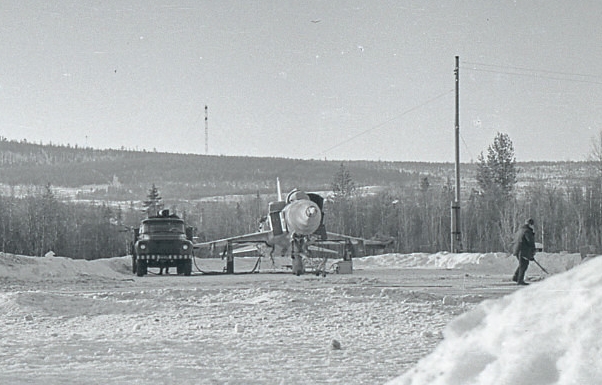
x=334, y=79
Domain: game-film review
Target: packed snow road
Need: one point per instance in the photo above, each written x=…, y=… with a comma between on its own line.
x=96, y=323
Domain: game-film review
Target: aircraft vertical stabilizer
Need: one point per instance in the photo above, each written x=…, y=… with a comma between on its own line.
x=278, y=189
x=275, y=210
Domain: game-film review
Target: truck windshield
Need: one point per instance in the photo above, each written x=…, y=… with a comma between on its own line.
x=162, y=227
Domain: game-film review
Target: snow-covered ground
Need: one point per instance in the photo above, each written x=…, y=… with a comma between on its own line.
x=68, y=321
x=548, y=333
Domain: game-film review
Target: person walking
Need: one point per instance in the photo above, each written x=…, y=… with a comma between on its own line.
x=524, y=250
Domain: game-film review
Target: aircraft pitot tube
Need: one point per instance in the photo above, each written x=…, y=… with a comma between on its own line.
x=302, y=217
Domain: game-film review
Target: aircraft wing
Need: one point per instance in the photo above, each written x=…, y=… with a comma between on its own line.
x=239, y=244
x=335, y=237
x=323, y=250
x=361, y=246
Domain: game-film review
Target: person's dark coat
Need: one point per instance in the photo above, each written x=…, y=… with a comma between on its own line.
x=524, y=250
x=524, y=243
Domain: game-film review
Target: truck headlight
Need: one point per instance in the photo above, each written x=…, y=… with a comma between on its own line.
x=142, y=246
x=185, y=246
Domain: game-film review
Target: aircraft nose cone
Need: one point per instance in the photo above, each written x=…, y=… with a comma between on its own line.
x=302, y=217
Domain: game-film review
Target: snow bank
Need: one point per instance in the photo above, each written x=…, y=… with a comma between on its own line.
x=35, y=269
x=485, y=263
x=442, y=260
x=547, y=333
x=60, y=268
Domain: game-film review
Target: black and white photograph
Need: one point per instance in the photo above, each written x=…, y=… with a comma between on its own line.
x=301, y=192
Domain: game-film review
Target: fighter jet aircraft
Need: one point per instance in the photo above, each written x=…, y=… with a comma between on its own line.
x=292, y=224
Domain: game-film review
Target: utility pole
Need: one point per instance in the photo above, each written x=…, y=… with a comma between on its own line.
x=456, y=233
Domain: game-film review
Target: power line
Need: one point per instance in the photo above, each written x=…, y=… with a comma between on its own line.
x=535, y=76
x=383, y=123
x=534, y=73
x=532, y=69
x=466, y=146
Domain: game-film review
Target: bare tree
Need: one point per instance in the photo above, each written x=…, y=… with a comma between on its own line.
x=595, y=158
x=595, y=155
x=341, y=207
x=342, y=184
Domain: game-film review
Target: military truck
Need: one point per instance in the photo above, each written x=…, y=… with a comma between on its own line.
x=162, y=241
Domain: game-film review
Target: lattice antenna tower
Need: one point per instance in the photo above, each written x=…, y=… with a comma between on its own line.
x=206, y=131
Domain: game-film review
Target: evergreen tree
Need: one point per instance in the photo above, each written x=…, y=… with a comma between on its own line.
x=497, y=173
x=49, y=220
x=424, y=184
x=153, y=204
x=496, y=177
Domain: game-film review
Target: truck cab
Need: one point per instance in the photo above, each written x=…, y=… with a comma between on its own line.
x=162, y=241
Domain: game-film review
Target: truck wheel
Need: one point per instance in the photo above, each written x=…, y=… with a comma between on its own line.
x=141, y=268
x=180, y=268
x=187, y=267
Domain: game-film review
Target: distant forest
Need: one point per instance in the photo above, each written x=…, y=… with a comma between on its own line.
x=410, y=207
x=191, y=176
x=183, y=176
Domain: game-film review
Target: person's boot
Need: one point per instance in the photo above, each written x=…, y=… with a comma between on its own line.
x=522, y=283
